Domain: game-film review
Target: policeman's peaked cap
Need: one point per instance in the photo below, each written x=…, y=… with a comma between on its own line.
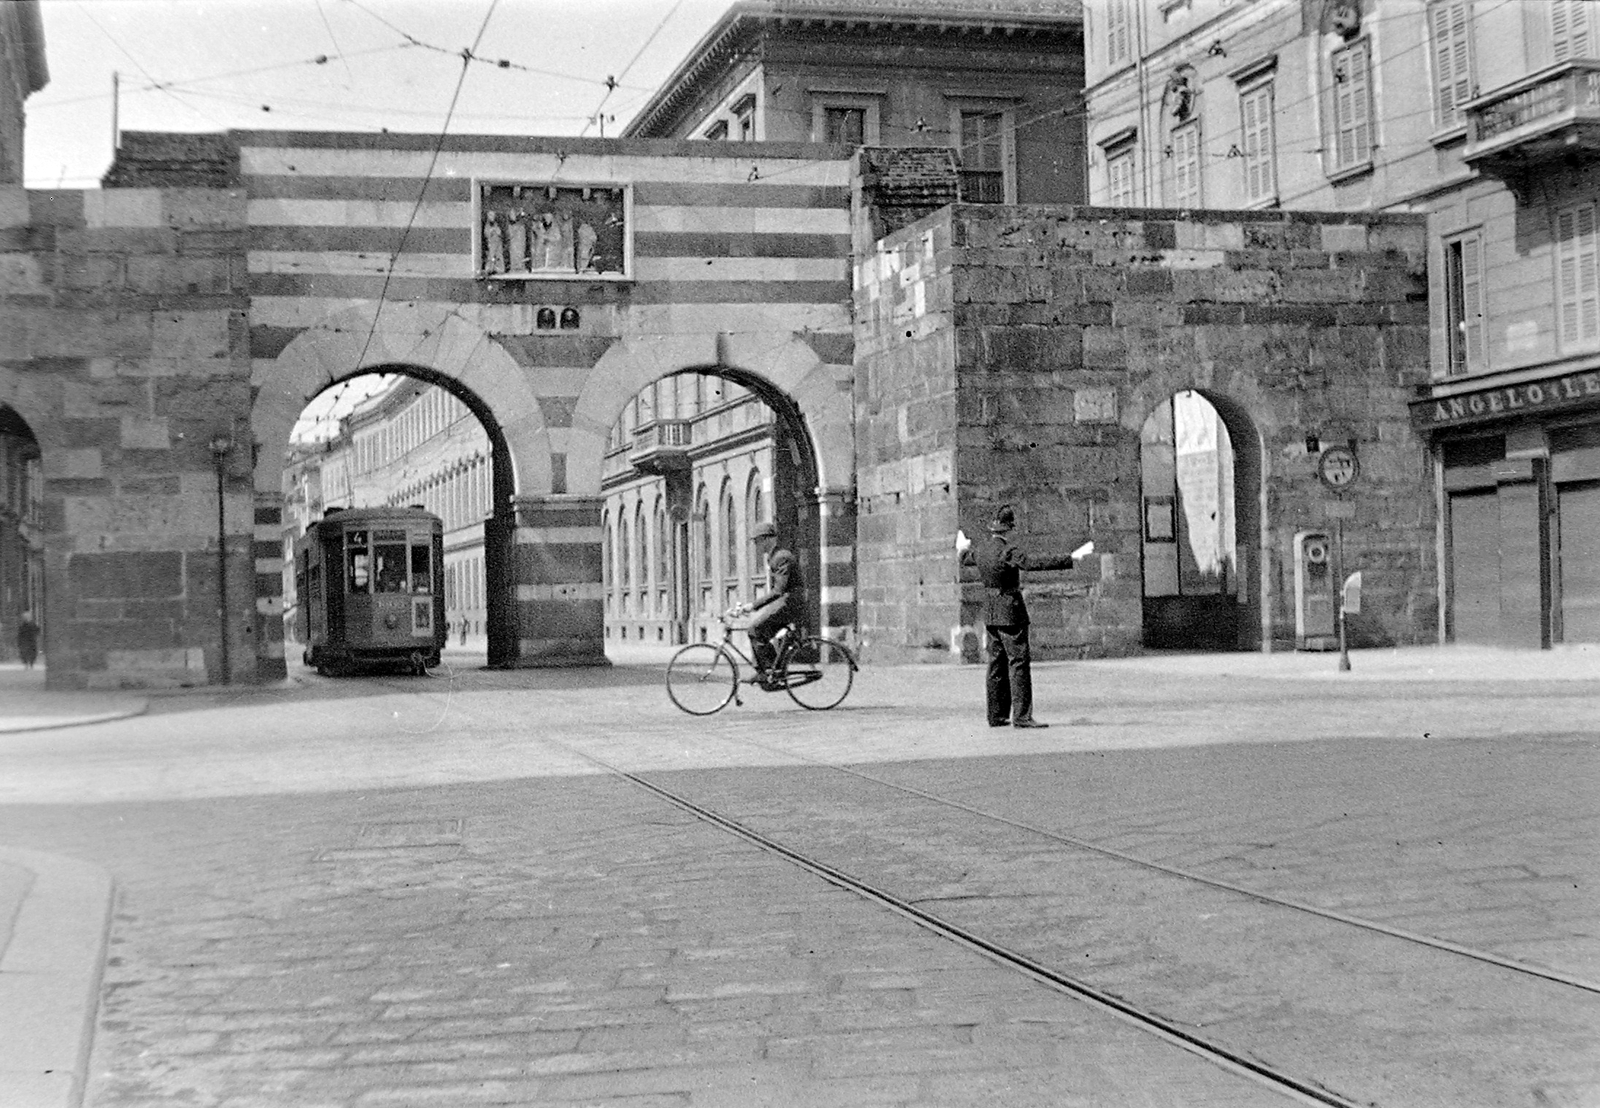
x=1004, y=520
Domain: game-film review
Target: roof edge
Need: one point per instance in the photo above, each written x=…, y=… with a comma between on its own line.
x=747, y=18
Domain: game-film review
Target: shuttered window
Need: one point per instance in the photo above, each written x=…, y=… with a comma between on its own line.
x=1571, y=23
x=983, y=156
x=1464, y=302
x=1577, y=277
x=1352, y=105
x=1119, y=32
x=1119, y=179
x=1186, y=166
x=1451, y=27
x=1260, y=157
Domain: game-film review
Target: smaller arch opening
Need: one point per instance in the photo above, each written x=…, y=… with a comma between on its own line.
x=22, y=561
x=1200, y=474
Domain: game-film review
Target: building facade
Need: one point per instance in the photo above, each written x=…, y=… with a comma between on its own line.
x=688, y=473
x=999, y=89
x=999, y=84
x=1480, y=115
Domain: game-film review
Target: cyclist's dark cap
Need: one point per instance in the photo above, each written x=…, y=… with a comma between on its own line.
x=764, y=531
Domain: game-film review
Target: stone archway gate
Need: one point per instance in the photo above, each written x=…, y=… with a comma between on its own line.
x=230, y=278
x=729, y=257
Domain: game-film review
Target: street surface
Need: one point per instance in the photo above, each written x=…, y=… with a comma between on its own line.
x=398, y=891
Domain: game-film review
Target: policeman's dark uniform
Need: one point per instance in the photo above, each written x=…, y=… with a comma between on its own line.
x=780, y=605
x=1009, y=685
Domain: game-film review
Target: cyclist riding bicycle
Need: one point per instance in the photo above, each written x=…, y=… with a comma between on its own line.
x=780, y=606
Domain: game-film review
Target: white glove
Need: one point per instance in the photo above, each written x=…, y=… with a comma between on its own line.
x=963, y=544
x=1084, y=550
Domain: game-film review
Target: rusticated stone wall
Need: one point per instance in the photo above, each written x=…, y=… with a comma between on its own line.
x=1012, y=355
x=126, y=352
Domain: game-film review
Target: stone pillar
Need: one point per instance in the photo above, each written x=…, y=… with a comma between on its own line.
x=271, y=664
x=836, y=513
x=556, y=562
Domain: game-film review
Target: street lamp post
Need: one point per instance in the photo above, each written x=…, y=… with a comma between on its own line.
x=221, y=445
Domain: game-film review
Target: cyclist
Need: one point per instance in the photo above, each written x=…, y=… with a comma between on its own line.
x=779, y=606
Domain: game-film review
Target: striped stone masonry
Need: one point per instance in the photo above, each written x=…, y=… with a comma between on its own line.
x=560, y=602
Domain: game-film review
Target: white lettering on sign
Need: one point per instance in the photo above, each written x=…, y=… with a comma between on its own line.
x=1561, y=392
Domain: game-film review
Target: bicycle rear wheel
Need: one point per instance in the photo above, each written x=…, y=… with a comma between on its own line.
x=819, y=673
x=701, y=678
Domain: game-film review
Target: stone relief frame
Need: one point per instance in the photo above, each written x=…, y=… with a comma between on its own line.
x=527, y=230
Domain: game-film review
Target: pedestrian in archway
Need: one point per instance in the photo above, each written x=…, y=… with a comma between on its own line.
x=28, y=640
x=1008, y=689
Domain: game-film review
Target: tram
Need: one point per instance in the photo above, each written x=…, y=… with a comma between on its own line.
x=370, y=583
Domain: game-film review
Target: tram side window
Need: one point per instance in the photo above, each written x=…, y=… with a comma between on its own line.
x=358, y=563
x=389, y=567
x=421, y=578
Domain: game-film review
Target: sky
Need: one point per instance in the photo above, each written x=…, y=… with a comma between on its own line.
x=345, y=65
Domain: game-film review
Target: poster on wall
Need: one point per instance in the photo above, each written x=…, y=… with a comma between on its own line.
x=544, y=231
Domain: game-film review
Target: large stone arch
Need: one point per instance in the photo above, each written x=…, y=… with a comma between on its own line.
x=813, y=401
x=435, y=344
x=430, y=337
x=780, y=364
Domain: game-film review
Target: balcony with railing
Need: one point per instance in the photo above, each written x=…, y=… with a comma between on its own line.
x=662, y=446
x=1546, y=116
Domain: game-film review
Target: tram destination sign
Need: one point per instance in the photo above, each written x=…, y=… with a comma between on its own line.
x=1572, y=390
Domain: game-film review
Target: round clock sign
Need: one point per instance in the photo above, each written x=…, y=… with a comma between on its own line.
x=1338, y=467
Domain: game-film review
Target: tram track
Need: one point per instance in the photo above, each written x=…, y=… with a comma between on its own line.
x=1276, y=1031
x=1487, y=957
x=1332, y=1009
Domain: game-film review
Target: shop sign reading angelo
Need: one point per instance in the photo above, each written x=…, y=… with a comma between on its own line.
x=1558, y=392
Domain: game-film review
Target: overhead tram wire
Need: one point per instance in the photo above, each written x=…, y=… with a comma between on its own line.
x=613, y=81
x=129, y=55
x=498, y=63
x=422, y=189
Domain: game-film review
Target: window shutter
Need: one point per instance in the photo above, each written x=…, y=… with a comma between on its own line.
x=1117, y=31
x=1588, y=275
x=1256, y=119
x=1578, y=276
x=1472, y=299
x=1569, y=28
x=1452, y=51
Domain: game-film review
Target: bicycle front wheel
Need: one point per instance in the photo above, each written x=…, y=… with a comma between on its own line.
x=701, y=678
x=819, y=673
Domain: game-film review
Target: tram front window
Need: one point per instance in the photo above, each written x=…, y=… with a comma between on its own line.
x=358, y=566
x=390, y=573
x=421, y=579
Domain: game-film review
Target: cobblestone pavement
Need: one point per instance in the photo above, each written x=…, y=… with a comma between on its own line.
x=552, y=942
x=360, y=893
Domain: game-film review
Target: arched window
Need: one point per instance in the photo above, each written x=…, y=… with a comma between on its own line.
x=641, y=542
x=624, y=561
x=663, y=552
x=730, y=543
x=755, y=508
x=755, y=512
x=607, y=575
x=702, y=536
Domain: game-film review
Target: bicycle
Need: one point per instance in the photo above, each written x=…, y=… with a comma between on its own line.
x=815, y=671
